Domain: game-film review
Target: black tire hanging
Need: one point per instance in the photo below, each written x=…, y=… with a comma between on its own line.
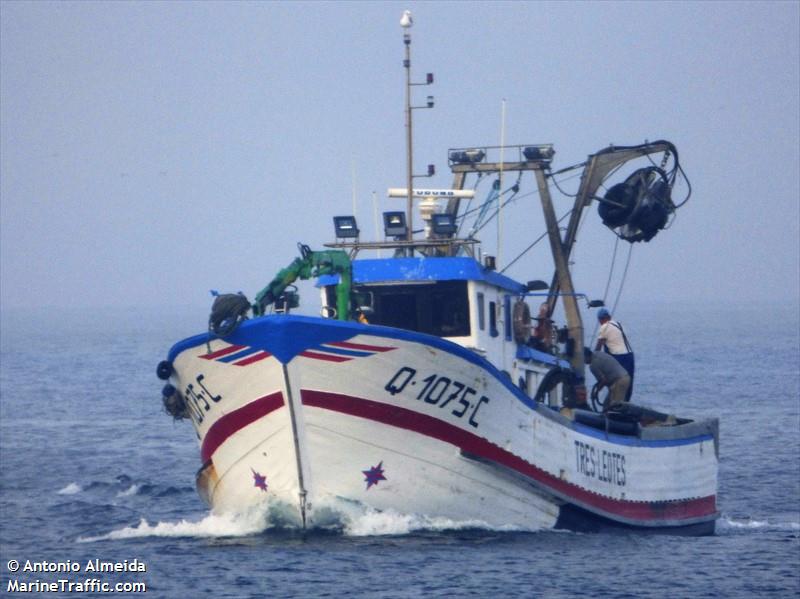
x=164, y=370
x=227, y=313
x=598, y=403
x=554, y=378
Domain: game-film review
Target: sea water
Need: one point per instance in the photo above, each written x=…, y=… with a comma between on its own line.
x=97, y=482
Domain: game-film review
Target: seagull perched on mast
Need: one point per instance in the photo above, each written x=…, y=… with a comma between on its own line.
x=406, y=20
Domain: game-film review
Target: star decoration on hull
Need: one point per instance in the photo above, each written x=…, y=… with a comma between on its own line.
x=259, y=481
x=374, y=475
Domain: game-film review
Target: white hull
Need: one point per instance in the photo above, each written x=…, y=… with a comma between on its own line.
x=313, y=414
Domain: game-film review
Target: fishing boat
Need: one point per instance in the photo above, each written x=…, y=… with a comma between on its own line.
x=426, y=387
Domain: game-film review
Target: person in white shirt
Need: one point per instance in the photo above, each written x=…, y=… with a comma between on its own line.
x=612, y=338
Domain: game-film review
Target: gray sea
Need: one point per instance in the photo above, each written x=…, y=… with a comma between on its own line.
x=91, y=468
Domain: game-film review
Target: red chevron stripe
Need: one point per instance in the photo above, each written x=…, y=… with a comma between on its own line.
x=327, y=357
x=254, y=358
x=223, y=352
x=234, y=421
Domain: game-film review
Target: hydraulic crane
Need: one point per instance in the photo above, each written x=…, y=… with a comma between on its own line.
x=310, y=264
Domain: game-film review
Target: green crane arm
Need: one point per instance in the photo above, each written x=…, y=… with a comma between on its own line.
x=311, y=264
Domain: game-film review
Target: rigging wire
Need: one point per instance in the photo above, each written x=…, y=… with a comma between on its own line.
x=515, y=189
x=494, y=194
x=535, y=192
x=491, y=199
x=611, y=270
x=558, y=187
x=469, y=203
x=688, y=185
x=537, y=240
x=622, y=282
x=569, y=168
x=524, y=195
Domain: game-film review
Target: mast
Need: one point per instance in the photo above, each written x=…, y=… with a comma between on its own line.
x=405, y=22
x=565, y=287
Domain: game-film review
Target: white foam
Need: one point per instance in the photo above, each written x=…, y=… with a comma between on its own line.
x=213, y=525
x=389, y=522
x=358, y=520
x=70, y=489
x=750, y=524
x=132, y=490
x=352, y=519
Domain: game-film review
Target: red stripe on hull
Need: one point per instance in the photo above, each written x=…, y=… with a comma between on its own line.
x=638, y=511
x=326, y=357
x=361, y=346
x=254, y=358
x=234, y=421
x=223, y=352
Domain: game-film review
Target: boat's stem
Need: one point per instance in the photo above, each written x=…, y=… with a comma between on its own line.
x=303, y=494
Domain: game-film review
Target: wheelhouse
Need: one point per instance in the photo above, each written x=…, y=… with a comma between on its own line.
x=453, y=297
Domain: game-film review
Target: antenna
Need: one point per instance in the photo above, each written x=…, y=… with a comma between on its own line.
x=353, y=174
x=500, y=178
x=406, y=21
x=375, y=218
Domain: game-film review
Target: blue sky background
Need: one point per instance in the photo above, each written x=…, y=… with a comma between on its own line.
x=153, y=150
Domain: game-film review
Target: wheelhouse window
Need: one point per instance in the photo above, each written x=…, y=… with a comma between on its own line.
x=481, y=315
x=438, y=308
x=507, y=317
x=493, y=319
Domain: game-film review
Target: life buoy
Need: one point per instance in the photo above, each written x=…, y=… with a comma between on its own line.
x=522, y=322
x=164, y=370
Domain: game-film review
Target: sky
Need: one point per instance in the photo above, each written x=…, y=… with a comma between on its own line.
x=151, y=151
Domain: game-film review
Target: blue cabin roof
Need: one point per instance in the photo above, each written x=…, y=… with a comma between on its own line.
x=401, y=270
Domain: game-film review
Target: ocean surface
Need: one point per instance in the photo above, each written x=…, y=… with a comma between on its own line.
x=91, y=468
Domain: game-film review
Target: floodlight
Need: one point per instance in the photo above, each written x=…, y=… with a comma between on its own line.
x=345, y=226
x=539, y=153
x=444, y=224
x=394, y=224
x=467, y=156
